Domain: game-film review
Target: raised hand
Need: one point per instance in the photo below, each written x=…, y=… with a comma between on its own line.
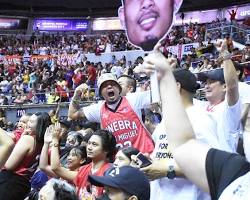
x=48, y=134
x=79, y=91
x=157, y=61
x=57, y=130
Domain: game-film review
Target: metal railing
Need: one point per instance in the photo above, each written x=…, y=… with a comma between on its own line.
x=232, y=30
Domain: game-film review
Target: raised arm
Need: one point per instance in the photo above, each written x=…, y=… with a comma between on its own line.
x=23, y=147
x=44, y=161
x=74, y=112
x=6, y=146
x=230, y=76
x=60, y=171
x=179, y=129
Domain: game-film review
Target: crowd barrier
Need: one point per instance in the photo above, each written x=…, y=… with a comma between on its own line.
x=14, y=112
x=72, y=59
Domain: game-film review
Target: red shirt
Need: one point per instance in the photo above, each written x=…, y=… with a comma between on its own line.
x=91, y=73
x=126, y=126
x=78, y=78
x=61, y=91
x=30, y=163
x=82, y=184
x=17, y=134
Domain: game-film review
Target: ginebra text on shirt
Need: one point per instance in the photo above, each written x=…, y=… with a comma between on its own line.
x=121, y=125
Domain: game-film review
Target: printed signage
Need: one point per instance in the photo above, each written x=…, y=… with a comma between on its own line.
x=60, y=25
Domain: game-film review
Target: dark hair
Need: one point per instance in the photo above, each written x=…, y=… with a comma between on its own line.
x=87, y=136
x=81, y=151
x=108, y=142
x=154, y=118
x=131, y=81
x=43, y=121
x=62, y=193
x=77, y=136
x=93, y=125
x=129, y=151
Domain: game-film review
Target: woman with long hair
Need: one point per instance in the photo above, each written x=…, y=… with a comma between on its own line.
x=23, y=161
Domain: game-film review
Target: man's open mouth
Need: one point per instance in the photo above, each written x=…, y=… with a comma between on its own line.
x=111, y=94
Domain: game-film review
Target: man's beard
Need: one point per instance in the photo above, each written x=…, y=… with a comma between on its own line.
x=149, y=43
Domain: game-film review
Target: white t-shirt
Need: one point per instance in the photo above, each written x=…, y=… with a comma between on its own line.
x=204, y=126
x=178, y=188
x=228, y=122
x=244, y=91
x=117, y=71
x=238, y=189
x=136, y=100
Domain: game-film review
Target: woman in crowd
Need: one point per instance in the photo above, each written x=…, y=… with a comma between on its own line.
x=76, y=158
x=101, y=148
x=23, y=161
x=20, y=127
x=123, y=156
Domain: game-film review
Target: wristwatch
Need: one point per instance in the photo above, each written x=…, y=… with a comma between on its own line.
x=171, y=172
x=55, y=144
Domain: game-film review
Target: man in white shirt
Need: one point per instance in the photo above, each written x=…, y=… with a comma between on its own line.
x=224, y=175
x=223, y=103
x=117, y=70
x=205, y=130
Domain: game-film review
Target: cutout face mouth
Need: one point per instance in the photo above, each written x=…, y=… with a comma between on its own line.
x=148, y=20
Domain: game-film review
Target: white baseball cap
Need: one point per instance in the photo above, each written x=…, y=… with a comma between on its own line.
x=107, y=77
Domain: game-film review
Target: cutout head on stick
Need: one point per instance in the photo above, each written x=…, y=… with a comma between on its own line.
x=147, y=21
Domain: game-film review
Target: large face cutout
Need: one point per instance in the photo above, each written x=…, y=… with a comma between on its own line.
x=147, y=21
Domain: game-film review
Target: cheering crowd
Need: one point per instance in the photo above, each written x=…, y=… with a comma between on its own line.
x=127, y=144
x=125, y=134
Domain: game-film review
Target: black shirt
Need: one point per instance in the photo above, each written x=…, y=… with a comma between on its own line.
x=222, y=169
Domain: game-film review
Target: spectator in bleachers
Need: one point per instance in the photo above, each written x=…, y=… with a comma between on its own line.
x=127, y=83
x=123, y=156
x=123, y=183
x=22, y=161
x=223, y=101
x=116, y=108
x=57, y=189
x=214, y=171
x=92, y=75
x=232, y=14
